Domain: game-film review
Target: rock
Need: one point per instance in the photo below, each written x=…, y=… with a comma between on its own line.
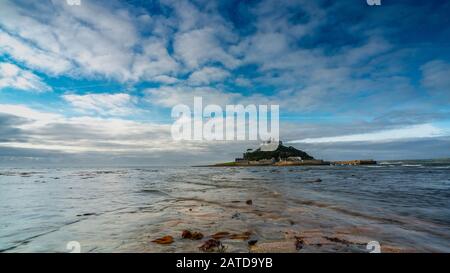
x=87, y=214
x=299, y=243
x=252, y=242
x=212, y=244
x=197, y=236
x=186, y=234
x=236, y=215
x=314, y=181
x=249, y=202
x=164, y=240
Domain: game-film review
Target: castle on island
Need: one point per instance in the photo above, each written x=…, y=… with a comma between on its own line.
x=273, y=152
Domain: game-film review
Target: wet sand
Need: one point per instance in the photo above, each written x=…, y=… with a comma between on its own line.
x=271, y=222
x=292, y=209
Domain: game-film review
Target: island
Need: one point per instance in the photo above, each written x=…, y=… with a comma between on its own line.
x=274, y=153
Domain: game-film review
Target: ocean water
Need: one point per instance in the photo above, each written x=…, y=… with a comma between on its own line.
x=404, y=206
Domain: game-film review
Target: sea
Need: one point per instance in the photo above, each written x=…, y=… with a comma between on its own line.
x=396, y=206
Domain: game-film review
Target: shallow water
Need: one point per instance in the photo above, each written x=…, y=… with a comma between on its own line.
x=405, y=206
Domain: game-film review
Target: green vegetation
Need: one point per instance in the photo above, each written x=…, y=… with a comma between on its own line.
x=281, y=152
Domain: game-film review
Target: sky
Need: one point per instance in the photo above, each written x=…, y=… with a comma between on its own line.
x=95, y=83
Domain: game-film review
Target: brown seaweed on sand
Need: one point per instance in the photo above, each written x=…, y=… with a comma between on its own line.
x=164, y=240
x=243, y=236
x=220, y=235
x=235, y=236
x=338, y=240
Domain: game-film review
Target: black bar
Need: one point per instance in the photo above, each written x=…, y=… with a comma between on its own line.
x=222, y=262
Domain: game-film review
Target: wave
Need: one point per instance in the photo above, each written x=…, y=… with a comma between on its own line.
x=391, y=163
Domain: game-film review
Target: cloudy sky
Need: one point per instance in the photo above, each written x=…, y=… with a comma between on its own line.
x=95, y=83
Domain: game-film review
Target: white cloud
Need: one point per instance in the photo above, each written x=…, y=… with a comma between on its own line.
x=409, y=132
x=89, y=40
x=169, y=96
x=435, y=77
x=50, y=131
x=208, y=75
x=104, y=104
x=188, y=15
x=13, y=76
x=165, y=79
x=374, y=46
x=31, y=56
x=35, y=118
x=154, y=61
x=201, y=46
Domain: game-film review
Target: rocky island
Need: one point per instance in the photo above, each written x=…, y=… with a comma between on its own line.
x=274, y=153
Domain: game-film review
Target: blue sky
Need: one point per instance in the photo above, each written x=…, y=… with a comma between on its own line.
x=97, y=82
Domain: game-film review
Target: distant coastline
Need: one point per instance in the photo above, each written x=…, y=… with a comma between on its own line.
x=290, y=163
